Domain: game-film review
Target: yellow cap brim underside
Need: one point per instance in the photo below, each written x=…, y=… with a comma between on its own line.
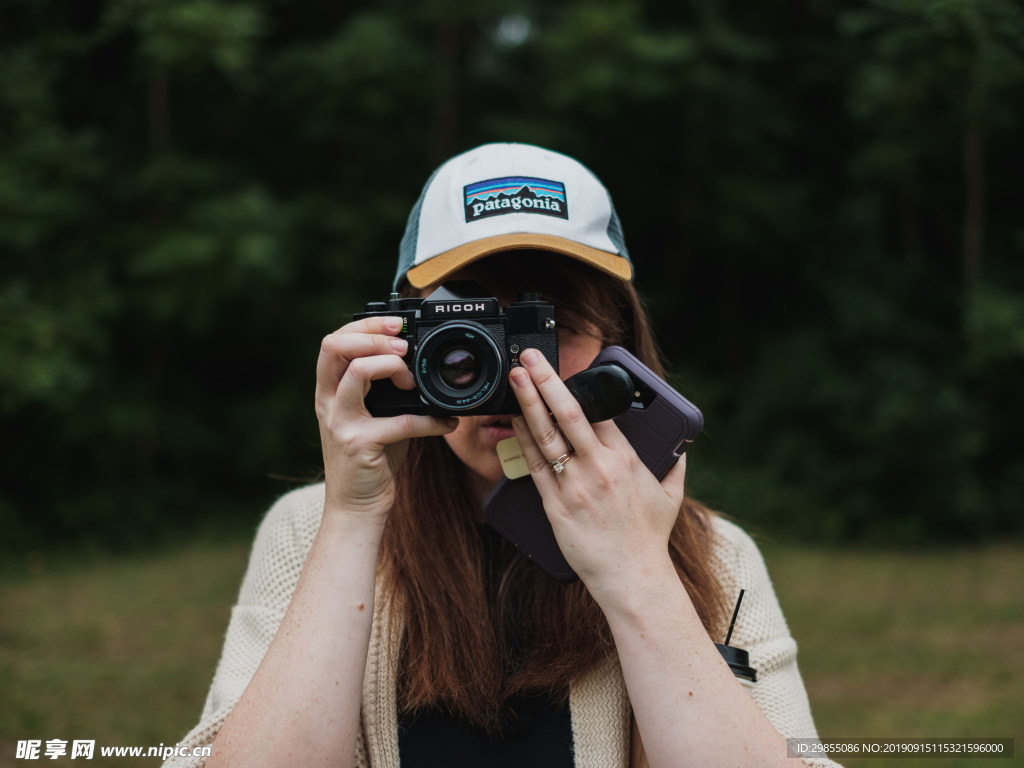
x=439, y=267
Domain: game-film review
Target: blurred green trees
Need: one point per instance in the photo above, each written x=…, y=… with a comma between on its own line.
x=822, y=199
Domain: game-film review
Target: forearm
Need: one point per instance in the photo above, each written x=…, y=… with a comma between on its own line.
x=304, y=699
x=688, y=706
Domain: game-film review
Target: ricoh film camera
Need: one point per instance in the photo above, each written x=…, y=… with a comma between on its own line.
x=462, y=346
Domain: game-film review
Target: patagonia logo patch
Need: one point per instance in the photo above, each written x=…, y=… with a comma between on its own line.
x=515, y=194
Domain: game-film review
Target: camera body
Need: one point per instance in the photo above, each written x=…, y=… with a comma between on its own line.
x=462, y=346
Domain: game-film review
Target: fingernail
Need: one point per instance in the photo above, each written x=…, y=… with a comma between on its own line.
x=518, y=376
x=399, y=345
x=530, y=357
x=394, y=323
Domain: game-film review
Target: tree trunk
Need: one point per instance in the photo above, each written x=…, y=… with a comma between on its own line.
x=974, y=186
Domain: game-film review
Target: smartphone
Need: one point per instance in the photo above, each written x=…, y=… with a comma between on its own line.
x=659, y=423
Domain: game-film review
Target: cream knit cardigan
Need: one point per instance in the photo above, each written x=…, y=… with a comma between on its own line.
x=599, y=706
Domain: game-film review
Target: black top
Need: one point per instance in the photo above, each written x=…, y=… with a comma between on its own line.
x=538, y=735
x=536, y=728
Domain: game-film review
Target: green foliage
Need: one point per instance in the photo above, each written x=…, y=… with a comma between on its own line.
x=819, y=197
x=886, y=439
x=189, y=35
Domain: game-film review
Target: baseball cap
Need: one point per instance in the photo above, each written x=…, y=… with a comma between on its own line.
x=505, y=197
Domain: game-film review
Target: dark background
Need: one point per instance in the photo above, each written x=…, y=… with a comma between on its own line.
x=823, y=200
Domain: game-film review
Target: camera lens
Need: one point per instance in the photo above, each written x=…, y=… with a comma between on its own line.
x=459, y=368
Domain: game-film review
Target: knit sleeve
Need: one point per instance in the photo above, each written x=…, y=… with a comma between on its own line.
x=761, y=629
x=278, y=554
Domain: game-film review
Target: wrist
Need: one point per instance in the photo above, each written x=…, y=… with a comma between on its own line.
x=644, y=616
x=647, y=584
x=359, y=524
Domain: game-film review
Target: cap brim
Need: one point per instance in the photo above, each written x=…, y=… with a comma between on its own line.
x=439, y=267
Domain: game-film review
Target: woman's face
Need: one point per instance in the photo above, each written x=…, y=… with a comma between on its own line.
x=474, y=441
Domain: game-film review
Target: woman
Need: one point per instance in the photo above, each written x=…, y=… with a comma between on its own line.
x=381, y=622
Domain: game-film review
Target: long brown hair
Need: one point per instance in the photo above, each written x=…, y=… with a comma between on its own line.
x=459, y=617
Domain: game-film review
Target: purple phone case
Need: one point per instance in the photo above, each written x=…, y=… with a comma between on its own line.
x=659, y=432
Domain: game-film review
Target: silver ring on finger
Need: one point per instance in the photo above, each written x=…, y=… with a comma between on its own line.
x=558, y=465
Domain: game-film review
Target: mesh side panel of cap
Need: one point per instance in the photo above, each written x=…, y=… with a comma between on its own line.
x=615, y=233
x=407, y=248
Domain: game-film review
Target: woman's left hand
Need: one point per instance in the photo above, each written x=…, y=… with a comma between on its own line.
x=611, y=516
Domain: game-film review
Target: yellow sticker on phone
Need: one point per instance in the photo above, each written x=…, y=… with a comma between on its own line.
x=512, y=462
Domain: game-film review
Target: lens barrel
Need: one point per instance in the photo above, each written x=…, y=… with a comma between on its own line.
x=459, y=366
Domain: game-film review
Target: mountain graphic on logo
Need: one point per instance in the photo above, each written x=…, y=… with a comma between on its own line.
x=515, y=194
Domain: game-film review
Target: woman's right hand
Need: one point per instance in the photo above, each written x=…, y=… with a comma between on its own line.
x=361, y=452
